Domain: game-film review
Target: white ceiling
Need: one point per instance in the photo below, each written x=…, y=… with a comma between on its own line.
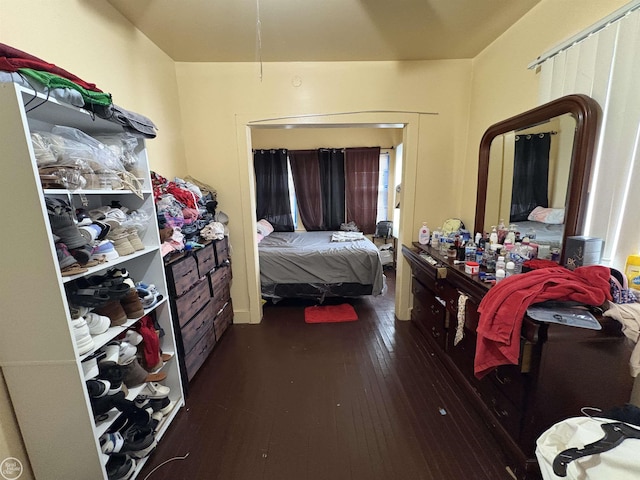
x=322, y=30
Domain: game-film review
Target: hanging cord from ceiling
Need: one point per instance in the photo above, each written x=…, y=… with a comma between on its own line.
x=259, y=39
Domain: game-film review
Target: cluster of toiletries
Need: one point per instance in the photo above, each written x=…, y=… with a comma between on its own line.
x=501, y=252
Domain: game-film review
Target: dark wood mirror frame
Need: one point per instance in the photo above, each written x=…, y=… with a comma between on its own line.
x=586, y=113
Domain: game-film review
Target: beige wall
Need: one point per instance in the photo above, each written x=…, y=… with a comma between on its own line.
x=311, y=138
x=219, y=100
x=93, y=41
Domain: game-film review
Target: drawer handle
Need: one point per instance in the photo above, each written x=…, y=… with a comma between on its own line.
x=435, y=310
x=204, y=349
x=196, y=300
x=435, y=333
x=187, y=273
x=500, y=413
x=201, y=325
x=501, y=380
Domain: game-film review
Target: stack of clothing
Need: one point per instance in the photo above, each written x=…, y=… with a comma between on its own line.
x=32, y=72
x=186, y=213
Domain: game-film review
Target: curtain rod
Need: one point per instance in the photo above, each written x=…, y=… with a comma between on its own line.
x=596, y=27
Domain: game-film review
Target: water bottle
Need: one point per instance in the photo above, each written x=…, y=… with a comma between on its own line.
x=470, y=251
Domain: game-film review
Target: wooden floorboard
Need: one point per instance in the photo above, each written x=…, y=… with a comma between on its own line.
x=363, y=400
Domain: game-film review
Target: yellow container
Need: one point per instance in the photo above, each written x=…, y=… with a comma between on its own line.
x=632, y=271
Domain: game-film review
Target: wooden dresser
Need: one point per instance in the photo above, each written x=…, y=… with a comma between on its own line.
x=199, y=293
x=561, y=369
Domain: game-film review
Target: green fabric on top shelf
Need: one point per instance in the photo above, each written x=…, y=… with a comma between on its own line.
x=52, y=80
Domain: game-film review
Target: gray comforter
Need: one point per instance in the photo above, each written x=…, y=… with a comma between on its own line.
x=311, y=257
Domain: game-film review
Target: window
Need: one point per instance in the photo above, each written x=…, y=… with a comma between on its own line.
x=383, y=189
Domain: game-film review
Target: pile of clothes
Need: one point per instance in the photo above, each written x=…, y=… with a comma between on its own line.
x=36, y=74
x=186, y=211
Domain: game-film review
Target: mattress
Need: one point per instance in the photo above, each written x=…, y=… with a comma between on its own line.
x=319, y=266
x=546, y=234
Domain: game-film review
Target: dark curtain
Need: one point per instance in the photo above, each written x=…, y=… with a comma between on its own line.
x=305, y=169
x=530, y=175
x=362, y=168
x=332, y=187
x=272, y=189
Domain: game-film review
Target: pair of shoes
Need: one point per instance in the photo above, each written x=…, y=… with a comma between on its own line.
x=61, y=219
x=154, y=390
x=120, y=238
x=135, y=375
x=82, y=336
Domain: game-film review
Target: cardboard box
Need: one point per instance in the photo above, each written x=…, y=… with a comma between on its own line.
x=582, y=250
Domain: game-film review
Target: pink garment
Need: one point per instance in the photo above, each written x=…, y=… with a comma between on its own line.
x=504, y=306
x=11, y=59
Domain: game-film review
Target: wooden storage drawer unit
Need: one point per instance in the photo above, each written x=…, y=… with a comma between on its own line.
x=183, y=273
x=429, y=314
x=192, y=301
x=197, y=327
x=223, y=319
x=199, y=353
x=206, y=258
x=222, y=250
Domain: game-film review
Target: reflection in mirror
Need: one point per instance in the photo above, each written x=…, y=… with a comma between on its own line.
x=534, y=170
x=529, y=168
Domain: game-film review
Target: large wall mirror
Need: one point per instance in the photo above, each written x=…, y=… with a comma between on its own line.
x=534, y=170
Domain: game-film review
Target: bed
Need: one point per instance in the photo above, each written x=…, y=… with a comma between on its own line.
x=310, y=265
x=545, y=233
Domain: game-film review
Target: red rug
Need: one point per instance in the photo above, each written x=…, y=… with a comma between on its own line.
x=330, y=313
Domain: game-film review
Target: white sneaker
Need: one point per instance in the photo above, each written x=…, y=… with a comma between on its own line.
x=97, y=323
x=82, y=336
x=155, y=390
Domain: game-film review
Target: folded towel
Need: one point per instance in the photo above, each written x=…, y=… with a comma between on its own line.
x=346, y=236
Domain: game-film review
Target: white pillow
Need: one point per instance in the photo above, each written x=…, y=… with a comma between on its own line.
x=264, y=227
x=551, y=216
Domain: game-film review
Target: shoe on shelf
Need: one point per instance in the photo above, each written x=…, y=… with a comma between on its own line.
x=97, y=324
x=82, y=336
x=121, y=273
x=154, y=390
x=132, y=305
x=120, y=239
x=105, y=249
x=127, y=353
x=113, y=309
x=120, y=467
x=133, y=337
x=134, y=239
x=68, y=264
x=98, y=388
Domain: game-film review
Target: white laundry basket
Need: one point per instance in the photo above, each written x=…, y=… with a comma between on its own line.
x=620, y=463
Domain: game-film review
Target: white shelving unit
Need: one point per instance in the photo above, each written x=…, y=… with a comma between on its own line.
x=39, y=360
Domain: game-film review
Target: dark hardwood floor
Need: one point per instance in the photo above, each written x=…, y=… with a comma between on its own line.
x=365, y=400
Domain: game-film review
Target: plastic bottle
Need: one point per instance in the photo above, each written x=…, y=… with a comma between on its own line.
x=511, y=235
x=478, y=237
x=632, y=271
x=500, y=275
x=424, y=235
x=502, y=231
x=493, y=238
x=500, y=263
x=435, y=239
x=489, y=259
x=470, y=251
x=510, y=269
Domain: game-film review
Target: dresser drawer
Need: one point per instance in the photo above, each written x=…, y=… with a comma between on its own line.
x=184, y=273
x=199, y=353
x=222, y=250
x=197, y=327
x=192, y=301
x=429, y=314
x=505, y=412
x=220, y=279
x=206, y=258
x=223, y=320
